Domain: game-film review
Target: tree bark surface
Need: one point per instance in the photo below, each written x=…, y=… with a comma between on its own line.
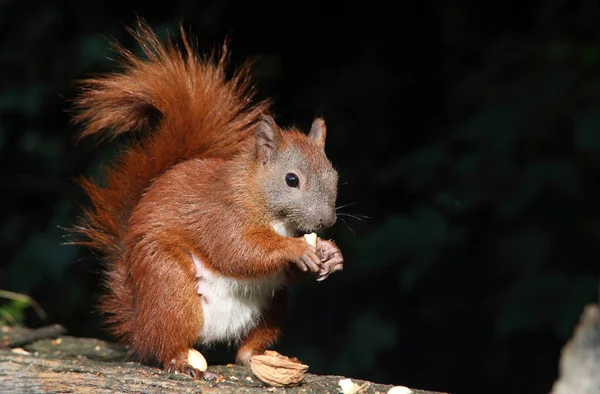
x=47, y=361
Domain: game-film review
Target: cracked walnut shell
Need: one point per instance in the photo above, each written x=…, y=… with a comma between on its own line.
x=276, y=370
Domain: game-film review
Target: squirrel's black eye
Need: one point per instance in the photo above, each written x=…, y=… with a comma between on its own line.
x=291, y=179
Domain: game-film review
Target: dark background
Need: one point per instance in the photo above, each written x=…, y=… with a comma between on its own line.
x=467, y=131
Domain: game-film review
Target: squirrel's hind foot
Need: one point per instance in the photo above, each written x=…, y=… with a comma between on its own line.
x=192, y=364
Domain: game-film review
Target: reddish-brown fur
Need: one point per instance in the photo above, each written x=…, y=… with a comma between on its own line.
x=145, y=217
x=267, y=332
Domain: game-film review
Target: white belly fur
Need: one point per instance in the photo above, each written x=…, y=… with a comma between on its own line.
x=232, y=307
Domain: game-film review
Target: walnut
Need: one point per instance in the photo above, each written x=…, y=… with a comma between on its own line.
x=276, y=370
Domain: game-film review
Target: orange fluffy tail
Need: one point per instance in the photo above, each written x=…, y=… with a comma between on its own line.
x=184, y=107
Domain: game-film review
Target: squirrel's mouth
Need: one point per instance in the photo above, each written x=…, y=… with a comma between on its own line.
x=291, y=229
x=300, y=232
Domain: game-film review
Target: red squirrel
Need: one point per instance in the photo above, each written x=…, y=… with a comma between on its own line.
x=201, y=218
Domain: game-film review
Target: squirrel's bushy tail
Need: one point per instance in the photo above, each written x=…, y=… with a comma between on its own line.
x=183, y=107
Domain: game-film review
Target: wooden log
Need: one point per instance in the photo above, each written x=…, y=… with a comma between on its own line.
x=58, y=364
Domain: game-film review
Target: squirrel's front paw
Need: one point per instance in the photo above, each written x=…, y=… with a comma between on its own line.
x=332, y=259
x=309, y=261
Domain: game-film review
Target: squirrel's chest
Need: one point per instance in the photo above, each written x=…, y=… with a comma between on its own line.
x=232, y=307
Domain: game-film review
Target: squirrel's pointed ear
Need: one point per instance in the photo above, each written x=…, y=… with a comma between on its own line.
x=267, y=139
x=318, y=131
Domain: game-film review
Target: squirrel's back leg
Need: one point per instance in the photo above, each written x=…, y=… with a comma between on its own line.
x=165, y=315
x=266, y=333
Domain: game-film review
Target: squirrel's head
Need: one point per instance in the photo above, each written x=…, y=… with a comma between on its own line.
x=297, y=180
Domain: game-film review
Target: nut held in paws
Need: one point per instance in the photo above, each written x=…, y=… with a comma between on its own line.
x=276, y=370
x=311, y=239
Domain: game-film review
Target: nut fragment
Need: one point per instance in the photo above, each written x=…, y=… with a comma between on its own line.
x=196, y=360
x=311, y=239
x=399, y=390
x=276, y=370
x=347, y=386
x=21, y=351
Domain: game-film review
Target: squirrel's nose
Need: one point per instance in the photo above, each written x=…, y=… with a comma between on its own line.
x=328, y=218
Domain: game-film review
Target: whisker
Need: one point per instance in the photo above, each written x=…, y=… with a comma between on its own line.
x=350, y=216
x=347, y=205
x=347, y=225
x=359, y=215
x=353, y=216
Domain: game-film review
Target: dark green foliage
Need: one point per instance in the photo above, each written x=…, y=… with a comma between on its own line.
x=468, y=133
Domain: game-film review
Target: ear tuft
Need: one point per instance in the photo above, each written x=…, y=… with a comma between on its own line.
x=318, y=130
x=267, y=138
